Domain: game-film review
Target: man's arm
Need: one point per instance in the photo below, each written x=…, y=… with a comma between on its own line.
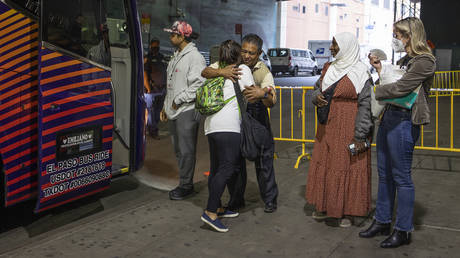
x=265, y=92
x=229, y=72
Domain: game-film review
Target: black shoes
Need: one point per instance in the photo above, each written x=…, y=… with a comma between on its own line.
x=376, y=228
x=270, y=207
x=396, y=239
x=180, y=193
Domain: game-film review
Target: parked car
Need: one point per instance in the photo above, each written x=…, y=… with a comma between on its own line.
x=292, y=61
x=264, y=58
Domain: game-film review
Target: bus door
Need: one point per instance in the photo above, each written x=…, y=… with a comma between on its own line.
x=76, y=98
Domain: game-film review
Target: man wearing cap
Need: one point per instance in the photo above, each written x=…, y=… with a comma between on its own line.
x=183, y=79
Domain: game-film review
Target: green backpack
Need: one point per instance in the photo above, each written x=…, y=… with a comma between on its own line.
x=210, y=96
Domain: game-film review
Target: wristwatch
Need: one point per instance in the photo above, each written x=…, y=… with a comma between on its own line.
x=265, y=95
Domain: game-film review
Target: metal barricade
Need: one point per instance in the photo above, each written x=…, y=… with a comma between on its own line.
x=446, y=80
x=432, y=136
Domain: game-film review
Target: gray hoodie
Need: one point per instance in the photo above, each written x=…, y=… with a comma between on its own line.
x=184, y=78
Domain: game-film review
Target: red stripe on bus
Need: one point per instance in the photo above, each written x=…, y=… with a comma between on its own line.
x=108, y=139
x=20, y=154
x=16, y=168
x=21, y=120
x=49, y=157
x=75, y=85
x=49, y=144
x=16, y=61
x=73, y=199
x=76, y=97
x=77, y=122
x=107, y=127
x=22, y=189
x=13, y=82
x=71, y=74
x=18, y=110
x=18, y=132
x=75, y=110
x=20, y=178
x=22, y=198
x=60, y=65
x=19, y=143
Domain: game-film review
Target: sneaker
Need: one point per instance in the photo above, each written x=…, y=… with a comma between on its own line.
x=319, y=215
x=270, y=207
x=345, y=223
x=228, y=214
x=180, y=193
x=215, y=224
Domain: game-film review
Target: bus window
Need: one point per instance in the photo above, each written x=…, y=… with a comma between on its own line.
x=79, y=27
x=32, y=6
x=116, y=22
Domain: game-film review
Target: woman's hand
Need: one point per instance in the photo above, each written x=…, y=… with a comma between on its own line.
x=321, y=102
x=375, y=62
x=231, y=72
x=359, y=146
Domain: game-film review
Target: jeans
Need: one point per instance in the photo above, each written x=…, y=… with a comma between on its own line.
x=396, y=139
x=225, y=158
x=184, y=134
x=154, y=104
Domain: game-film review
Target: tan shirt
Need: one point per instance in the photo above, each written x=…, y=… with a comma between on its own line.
x=264, y=78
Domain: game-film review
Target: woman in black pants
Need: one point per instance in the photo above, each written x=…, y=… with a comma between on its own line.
x=223, y=131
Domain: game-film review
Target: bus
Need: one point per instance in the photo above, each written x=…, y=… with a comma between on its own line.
x=72, y=114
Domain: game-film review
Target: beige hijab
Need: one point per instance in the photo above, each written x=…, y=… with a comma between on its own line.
x=346, y=62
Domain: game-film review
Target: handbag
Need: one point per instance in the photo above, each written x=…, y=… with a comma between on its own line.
x=406, y=101
x=255, y=137
x=323, y=112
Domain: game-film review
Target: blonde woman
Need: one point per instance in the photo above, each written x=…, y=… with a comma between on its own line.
x=399, y=131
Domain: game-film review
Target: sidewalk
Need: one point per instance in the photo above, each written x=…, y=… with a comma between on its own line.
x=158, y=227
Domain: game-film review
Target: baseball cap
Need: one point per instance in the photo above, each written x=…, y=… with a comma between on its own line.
x=181, y=28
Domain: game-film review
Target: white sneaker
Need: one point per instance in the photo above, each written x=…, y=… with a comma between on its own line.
x=345, y=223
x=318, y=215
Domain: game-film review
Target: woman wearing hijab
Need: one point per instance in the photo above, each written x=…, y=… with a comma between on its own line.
x=338, y=183
x=398, y=132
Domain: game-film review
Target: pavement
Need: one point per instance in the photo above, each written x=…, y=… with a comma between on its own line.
x=134, y=219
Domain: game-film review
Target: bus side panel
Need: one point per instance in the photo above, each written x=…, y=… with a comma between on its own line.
x=75, y=129
x=18, y=104
x=139, y=77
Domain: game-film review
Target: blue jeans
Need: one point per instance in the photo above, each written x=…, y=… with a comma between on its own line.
x=154, y=104
x=396, y=139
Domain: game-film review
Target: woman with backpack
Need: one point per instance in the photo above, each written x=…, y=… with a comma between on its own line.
x=223, y=131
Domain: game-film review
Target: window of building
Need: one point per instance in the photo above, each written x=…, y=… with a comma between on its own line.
x=316, y=8
x=386, y=4
x=326, y=11
x=376, y=2
x=357, y=32
x=304, y=9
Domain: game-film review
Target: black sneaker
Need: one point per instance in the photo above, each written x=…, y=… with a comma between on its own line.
x=270, y=207
x=180, y=193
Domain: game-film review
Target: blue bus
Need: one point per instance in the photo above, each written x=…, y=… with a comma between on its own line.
x=72, y=113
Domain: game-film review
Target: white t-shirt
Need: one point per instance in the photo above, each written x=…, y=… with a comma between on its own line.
x=228, y=118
